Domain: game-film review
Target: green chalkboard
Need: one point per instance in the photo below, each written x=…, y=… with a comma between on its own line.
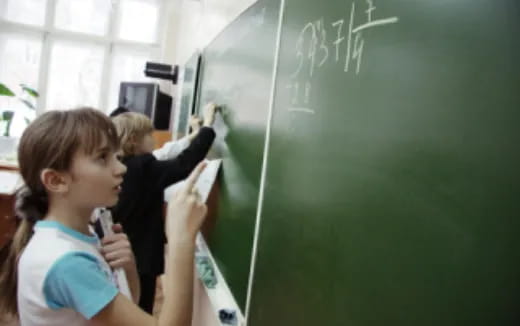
x=236, y=73
x=392, y=191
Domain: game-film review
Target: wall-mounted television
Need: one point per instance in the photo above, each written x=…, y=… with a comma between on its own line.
x=146, y=98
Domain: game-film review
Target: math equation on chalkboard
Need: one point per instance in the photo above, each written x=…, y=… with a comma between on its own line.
x=340, y=41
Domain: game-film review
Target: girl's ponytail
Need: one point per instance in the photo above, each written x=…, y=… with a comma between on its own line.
x=30, y=207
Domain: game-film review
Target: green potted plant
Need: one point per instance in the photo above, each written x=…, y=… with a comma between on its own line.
x=27, y=96
x=8, y=144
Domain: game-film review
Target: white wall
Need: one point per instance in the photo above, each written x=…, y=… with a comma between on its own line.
x=190, y=26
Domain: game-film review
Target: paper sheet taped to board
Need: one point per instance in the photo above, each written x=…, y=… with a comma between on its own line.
x=204, y=183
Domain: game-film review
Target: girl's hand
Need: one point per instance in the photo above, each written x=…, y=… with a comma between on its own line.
x=186, y=212
x=209, y=114
x=195, y=123
x=117, y=251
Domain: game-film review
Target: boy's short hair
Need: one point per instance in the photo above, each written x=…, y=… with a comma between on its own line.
x=131, y=128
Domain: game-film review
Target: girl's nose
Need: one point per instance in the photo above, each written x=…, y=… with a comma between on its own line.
x=120, y=168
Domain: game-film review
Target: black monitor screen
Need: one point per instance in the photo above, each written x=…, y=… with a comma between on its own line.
x=138, y=97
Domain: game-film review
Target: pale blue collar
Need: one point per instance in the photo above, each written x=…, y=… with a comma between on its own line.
x=65, y=229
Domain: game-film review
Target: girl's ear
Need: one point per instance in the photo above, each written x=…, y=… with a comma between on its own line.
x=54, y=181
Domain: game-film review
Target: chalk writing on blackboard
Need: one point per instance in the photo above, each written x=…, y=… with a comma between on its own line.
x=314, y=49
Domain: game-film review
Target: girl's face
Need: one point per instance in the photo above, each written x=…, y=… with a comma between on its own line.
x=146, y=145
x=95, y=179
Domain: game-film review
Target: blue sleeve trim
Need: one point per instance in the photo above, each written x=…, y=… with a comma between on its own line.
x=77, y=281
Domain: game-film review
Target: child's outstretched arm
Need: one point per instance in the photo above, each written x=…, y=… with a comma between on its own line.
x=195, y=123
x=166, y=172
x=185, y=216
x=210, y=110
x=173, y=148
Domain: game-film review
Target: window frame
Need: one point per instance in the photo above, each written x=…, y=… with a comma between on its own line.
x=48, y=34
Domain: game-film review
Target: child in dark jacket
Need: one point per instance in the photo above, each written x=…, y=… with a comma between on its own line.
x=140, y=205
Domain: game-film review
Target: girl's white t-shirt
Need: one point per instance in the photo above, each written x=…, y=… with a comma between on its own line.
x=62, y=277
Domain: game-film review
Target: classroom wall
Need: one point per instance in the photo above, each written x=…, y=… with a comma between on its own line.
x=191, y=25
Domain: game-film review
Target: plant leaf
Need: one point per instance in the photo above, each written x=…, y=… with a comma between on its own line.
x=29, y=104
x=29, y=90
x=7, y=115
x=5, y=91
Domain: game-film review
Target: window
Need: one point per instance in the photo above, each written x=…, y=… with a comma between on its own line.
x=84, y=16
x=30, y=12
x=146, y=12
x=20, y=58
x=74, y=75
x=75, y=52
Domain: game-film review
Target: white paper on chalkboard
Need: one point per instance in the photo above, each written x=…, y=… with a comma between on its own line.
x=204, y=183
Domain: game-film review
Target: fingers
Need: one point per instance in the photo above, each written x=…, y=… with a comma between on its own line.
x=122, y=262
x=186, y=211
x=117, y=249
x=211, y=107
x=113, y=246
x=203, y=209
x=125, y=254
x=114, y=238
x=195, y=122
x=209, y=114
x=117, y=228
x=192, y=179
